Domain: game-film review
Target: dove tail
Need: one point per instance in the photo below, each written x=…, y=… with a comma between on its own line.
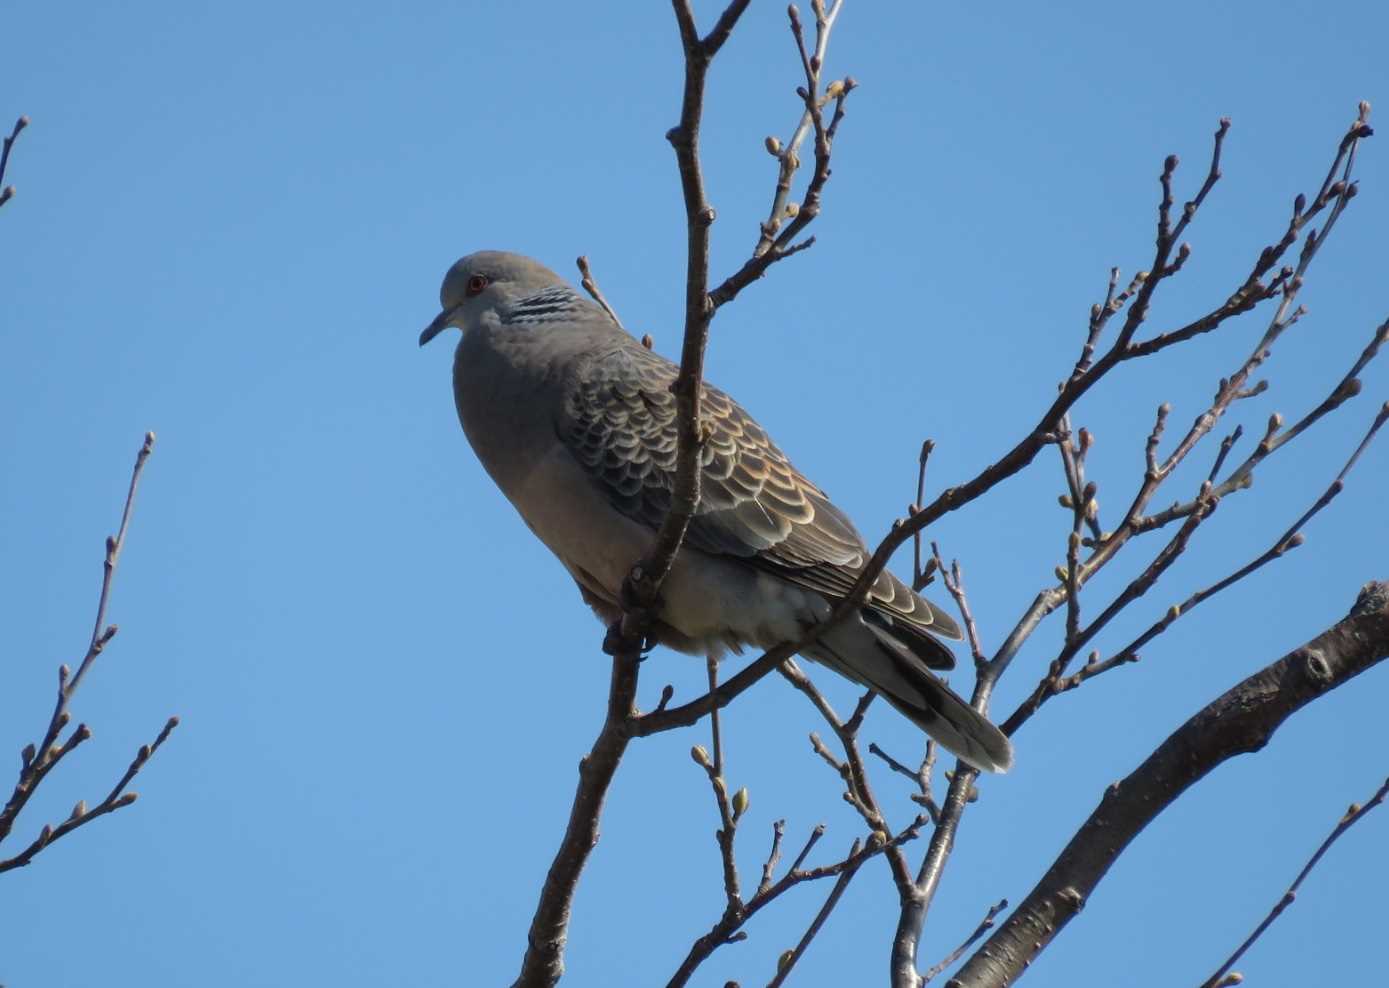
x=872, y=657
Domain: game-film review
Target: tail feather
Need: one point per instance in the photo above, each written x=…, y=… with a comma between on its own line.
x=872, y=656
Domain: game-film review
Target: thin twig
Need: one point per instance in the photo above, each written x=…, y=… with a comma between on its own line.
x=783, y=243
x=788, y=155
x=7, y=191
x=730, y=810
x=920, y=577
x=773, y=856
x=1052, y=682
x=590, y=285
x=40, y=759
x=1276, y=437
x=1286, y=542
x=788, y=961
x=728, y=929
x=955, y=585
x=116, y=799
x=985, y=925
x=857, y=790
x=1352, y=815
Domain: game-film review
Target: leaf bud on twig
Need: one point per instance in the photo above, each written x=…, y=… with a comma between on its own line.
x=700, y=754
x=740, y=803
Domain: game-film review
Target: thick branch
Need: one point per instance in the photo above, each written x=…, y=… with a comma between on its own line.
x=543, y=964
x=549, y=931
x=647, y=576
x=1240, y=721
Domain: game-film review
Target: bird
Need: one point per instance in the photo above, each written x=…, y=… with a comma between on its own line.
x=575, y=421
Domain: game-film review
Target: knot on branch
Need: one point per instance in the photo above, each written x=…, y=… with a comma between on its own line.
x=1318, y=669
x=1373, y=596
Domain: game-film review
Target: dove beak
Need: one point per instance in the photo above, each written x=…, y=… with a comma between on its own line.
x=441, y=322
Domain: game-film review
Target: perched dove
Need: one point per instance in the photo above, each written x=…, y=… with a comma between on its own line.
x=575, y=421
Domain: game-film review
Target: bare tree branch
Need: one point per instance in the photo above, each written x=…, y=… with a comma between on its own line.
x=788, y=960
x=543, y=964
x=1336, y=193
x=1239, y=721
x=776, y=244
x=1266, y=282
x=37, y=761
x=728, y=928
x=116, y=799
x=788, y=155
x=1285, y=543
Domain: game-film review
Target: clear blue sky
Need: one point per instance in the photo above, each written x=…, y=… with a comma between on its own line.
x=230, y=226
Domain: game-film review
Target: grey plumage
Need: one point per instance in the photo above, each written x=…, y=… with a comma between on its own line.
x=574, y=420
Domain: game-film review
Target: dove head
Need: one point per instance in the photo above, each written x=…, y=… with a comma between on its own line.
x=483, y=282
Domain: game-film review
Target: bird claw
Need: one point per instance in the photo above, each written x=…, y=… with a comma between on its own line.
x=614, y=640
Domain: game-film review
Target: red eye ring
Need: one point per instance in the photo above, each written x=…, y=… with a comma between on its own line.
x=475, y=285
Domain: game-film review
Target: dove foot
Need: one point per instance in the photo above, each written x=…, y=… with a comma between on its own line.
x=614, y=642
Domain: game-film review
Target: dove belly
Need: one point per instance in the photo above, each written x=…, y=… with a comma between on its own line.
x=710, y=604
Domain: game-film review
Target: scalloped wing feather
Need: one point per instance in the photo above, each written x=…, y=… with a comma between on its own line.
x=618, y=420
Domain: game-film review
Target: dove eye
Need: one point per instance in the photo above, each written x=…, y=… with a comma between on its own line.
x=476, y=284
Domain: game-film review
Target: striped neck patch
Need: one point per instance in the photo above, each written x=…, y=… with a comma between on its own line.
x=548, y=305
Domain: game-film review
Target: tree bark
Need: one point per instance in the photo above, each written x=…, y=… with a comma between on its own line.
x=1241, y=720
